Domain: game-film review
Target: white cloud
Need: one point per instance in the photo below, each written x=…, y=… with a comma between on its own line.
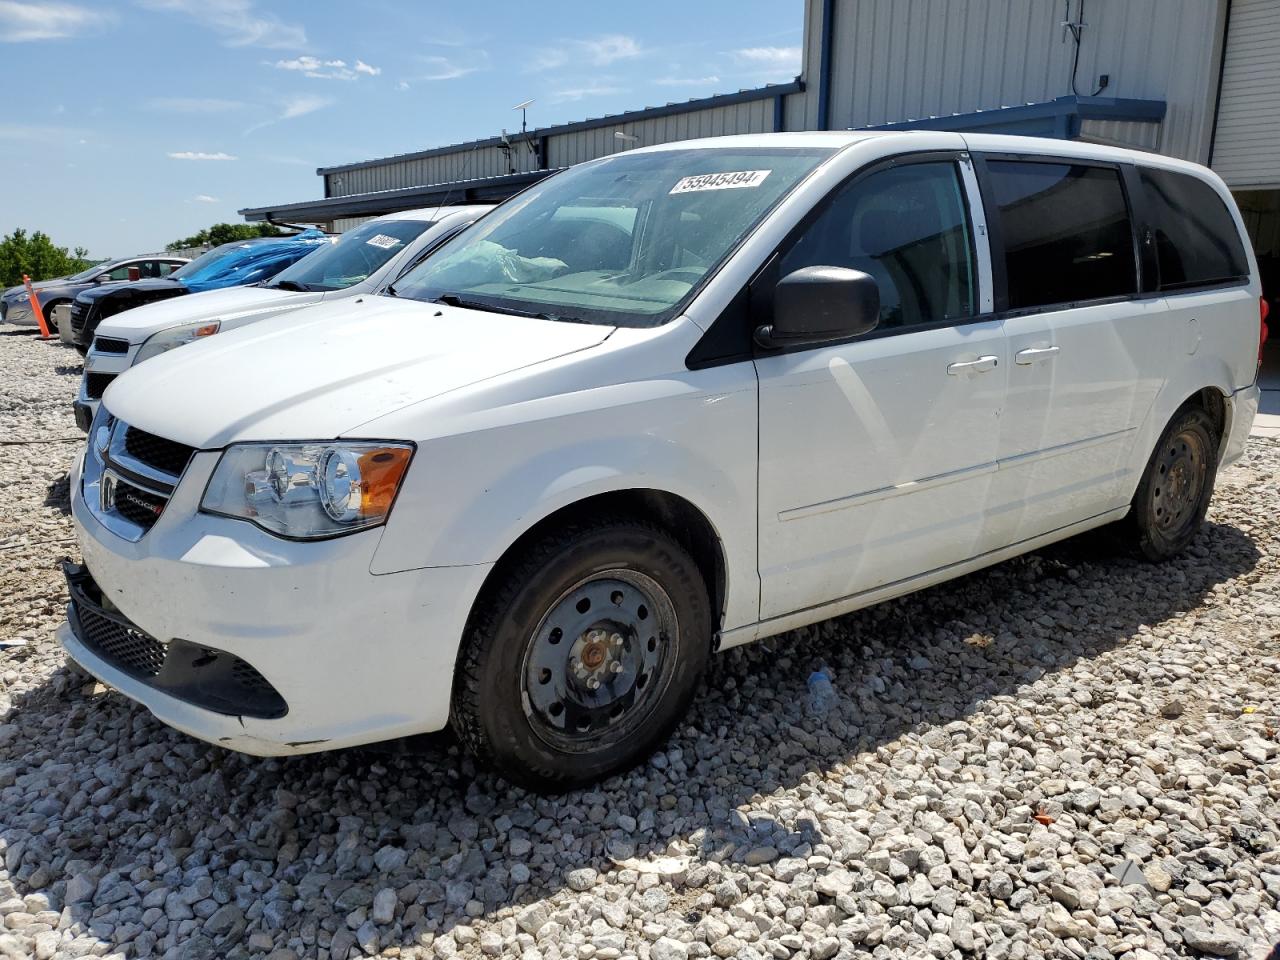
x=194, y=104
x=596, y=51
x=445, y=68
x=604, y=50
x=22, y=22
x=675, y=80
x=301, y=106
x=775, y=60
x=199, y=155
x=238, y=22
x=592, y=89
x=205, y=198
x=319, y=69
x=294, y=107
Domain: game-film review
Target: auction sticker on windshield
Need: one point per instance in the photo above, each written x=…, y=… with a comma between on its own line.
x=721, y=181
x=383, y=241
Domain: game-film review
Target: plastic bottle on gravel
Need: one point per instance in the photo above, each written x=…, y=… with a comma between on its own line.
x=822, y=695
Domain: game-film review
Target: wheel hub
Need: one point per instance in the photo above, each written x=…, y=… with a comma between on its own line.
x=1179, y=482
x=595, y=662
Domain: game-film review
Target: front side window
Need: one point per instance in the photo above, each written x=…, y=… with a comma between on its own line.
x=357, y=254
x=1067, y=235
x=121, y=272
x=908, y=227
x=1196, y=238
x=624, y=241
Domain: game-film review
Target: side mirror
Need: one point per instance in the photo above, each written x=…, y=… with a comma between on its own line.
x=102, y=278
x=820, y=304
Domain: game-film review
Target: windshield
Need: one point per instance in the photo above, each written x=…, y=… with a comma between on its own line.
x=88, y=274
x=199, y=266
x=357, y=254
x=624, y=241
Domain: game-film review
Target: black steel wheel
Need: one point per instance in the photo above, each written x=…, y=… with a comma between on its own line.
x=583, y=655
x=1173, y=496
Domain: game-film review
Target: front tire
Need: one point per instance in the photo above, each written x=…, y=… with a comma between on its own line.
x=1173, y=496
x=584, y=656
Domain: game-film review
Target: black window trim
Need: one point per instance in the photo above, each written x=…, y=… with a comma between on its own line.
x=738, y=312
x=1158, y=286
x=995, y=231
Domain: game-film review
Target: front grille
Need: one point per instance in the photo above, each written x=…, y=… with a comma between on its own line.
x=208, y=678
x=95, y=384
x=112, y=637
x=110, y=345
x=137, y=505
x=78, y=314
x=168, y=456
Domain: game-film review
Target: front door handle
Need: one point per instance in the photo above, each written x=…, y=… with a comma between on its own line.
x=981, y=365
x=1035, y=355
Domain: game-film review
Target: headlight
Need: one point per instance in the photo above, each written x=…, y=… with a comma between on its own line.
x=166, y=340
x=308, y=490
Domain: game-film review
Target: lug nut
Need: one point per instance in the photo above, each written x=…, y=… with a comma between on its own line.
x=593, y=683
x=615, y=667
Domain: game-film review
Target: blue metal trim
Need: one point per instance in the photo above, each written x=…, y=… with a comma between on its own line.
x=480, y=190
x=824, y=65
x=1054, y=118
x=632, y=116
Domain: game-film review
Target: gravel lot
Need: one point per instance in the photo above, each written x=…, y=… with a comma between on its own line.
x=1073, y=754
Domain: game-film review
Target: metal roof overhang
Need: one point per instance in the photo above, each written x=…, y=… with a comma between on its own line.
x=1060, y=118
x=482, y=190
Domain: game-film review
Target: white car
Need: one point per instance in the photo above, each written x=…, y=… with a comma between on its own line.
x=361, y=261
x=660, y=404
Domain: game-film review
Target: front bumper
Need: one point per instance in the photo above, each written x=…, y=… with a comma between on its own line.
x=356, y=657
x=20, y=314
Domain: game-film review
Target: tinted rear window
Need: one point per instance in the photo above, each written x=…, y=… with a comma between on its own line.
x=1066, y=230
x=1195, y=236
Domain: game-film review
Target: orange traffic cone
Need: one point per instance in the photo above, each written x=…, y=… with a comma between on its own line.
x=35, y=307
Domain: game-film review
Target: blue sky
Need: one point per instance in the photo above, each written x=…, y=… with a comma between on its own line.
x=129, y=124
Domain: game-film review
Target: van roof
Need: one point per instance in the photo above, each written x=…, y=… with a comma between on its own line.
x=432, y=214
x=991, y=142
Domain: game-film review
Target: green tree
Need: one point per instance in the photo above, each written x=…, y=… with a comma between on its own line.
x=36, y=255
x=226, y=233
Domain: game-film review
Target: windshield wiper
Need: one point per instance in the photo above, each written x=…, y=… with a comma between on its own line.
x=455, y=300
x=289, y=285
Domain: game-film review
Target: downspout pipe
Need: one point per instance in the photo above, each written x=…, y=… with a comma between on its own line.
x=824, y=65
x=1217, y=97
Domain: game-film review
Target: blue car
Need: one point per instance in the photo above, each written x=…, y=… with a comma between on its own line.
x=236, y=264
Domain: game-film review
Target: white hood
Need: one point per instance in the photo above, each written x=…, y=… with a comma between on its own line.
x=318, y=373
x=232, y=305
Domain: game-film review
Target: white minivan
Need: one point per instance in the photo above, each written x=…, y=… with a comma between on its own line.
x=657, y=405
x=361, y=261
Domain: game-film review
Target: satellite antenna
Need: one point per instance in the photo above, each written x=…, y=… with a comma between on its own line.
x=524, y=128
x=524, y=115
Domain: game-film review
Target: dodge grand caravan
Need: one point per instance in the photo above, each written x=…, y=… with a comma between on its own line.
x=758, y=382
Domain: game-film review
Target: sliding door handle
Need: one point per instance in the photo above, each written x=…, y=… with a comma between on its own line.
x=981, y=365
x=1035, y=355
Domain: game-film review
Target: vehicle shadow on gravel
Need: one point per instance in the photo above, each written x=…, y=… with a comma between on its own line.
x=112, y=795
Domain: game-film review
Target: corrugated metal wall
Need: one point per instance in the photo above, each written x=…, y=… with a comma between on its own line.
x=1246, y=152
x=898, y=60
x=752, y=117
x=907, y=59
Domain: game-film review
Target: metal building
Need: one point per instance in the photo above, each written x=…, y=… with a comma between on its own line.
x=1196, y=79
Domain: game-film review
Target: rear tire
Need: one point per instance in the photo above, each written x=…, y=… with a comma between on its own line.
x=584, y=656
x=1173, y=496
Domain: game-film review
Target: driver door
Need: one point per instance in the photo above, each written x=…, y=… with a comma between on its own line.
x=877, y=454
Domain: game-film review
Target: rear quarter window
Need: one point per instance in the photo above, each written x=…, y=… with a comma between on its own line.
x=1195, y=236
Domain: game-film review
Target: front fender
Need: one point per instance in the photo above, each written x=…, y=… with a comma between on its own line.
x=470, y=496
